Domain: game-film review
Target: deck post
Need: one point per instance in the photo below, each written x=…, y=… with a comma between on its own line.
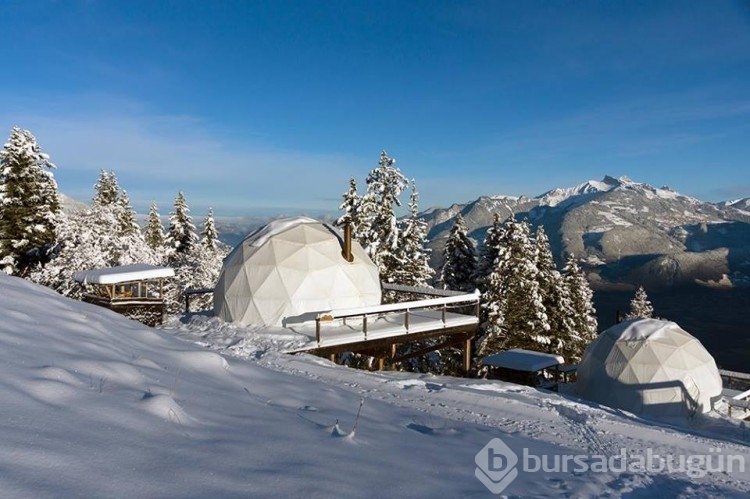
x=332, y=358
x=317, y=330
x=381, y=363
x=364, y=325
x=406, y=320
x=187, y=303
x=443, y=313
x=467, y=356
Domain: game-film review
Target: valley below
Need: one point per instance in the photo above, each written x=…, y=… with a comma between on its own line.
x=717, y=317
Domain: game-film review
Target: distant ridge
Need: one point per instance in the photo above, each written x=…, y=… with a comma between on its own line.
x=625, y=233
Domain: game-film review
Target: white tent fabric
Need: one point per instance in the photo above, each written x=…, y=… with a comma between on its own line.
x=650, y=367
x=289, y=269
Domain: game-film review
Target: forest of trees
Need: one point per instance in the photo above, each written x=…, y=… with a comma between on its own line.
x=41, y=242
x=526, y=302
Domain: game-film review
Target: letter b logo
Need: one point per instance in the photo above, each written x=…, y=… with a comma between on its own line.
x=496, y=465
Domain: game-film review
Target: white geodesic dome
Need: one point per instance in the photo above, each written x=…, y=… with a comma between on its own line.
x=650, y=367
x=289, y=269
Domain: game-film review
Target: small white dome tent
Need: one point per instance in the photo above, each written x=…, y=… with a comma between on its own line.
x=290, y=268
x=649, y=367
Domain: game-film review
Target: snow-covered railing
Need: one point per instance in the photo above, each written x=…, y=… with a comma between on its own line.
x=419, y=290
x=734, y=375
x=190, y=292
x=739, y=401
x=407, y=307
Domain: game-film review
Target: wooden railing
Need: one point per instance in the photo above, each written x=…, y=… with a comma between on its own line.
x=741, y=400
x=442, y=303
x=190, y=292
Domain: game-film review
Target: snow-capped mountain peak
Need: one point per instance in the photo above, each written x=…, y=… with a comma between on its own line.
x=560, y=194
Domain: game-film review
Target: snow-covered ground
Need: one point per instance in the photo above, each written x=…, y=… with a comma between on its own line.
x=95, y=405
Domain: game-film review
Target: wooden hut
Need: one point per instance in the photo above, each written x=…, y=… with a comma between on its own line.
x=136, y=291
x=525, y=367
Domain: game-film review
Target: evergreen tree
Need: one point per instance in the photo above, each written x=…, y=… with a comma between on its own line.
x=640, y=306
x=198, y=268
x=181, y=235
x=106, y=189
x=209, y=235
x=29, y=204
x=411, y=255
x=460, y=266
x=515, y=313
x=126, y=215
x=581, y=298
x=380, y=238
x=557, y=302
x=154, y=232
x=493, y=330
x=488, y=252
x=357, y=211
x=525, y=314
x=91, y=239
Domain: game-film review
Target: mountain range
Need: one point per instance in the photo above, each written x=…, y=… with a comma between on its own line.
x=625, y=233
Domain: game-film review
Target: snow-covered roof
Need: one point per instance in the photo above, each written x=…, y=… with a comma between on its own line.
x=124, y=273
x=523, y=360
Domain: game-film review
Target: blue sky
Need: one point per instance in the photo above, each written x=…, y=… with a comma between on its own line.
x=270, y=107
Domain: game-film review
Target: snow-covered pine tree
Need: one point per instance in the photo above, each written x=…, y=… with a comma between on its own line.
x=380, y=240
x=30, y=204
x=357, y=211
x=181, y=235
x=515, y=316
x=106, y=189
x=126, y=215
x=460, y=266
x=411, y=253
x=209, y=236
x=154, y=232
x=581, y=298
x=488, y=252
x=525, y=315
x=640, y=306
x=91, y=239
x=557, y=302
x=198, y=268
x=493, y=330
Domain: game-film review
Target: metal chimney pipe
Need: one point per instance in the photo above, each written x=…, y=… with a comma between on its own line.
x=347, y=253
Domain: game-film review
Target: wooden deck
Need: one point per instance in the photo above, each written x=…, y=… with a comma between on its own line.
x=422, y=323
x=381, y=328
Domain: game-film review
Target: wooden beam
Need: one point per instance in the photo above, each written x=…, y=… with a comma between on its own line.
x=467, y=356
x=385, y=343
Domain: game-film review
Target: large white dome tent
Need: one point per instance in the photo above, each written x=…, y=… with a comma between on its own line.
x=289, y=269
x=650, y=367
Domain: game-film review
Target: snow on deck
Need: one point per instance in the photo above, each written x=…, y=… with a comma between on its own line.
x=350, y=330
x=124, y=273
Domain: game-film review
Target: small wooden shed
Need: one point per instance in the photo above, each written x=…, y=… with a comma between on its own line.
x=136, y=291
x=525, y=367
